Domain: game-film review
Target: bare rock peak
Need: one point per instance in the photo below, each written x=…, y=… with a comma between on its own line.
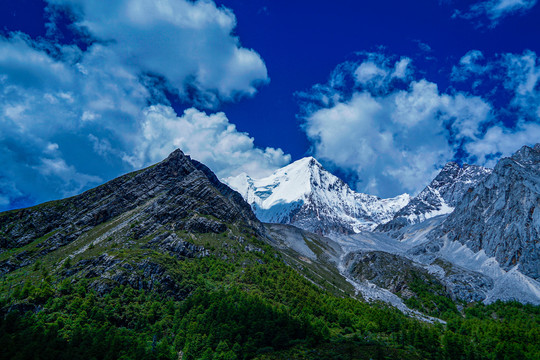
x=527, y=154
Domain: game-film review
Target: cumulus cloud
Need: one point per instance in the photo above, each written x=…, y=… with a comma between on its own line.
x=36, y=91
x=500, y=140
x=209, y=138
x=515, y=78
x=523, y=79
x=396, y=141
x=378, y=72
x=495, y=10
x=189, y=43
x=74, y=116
x=393, y=137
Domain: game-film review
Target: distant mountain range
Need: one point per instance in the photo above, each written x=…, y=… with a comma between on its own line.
x=473, y=228
x=472, y=235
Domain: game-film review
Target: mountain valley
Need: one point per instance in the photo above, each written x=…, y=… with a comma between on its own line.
x=168, y=262
x=422, y=231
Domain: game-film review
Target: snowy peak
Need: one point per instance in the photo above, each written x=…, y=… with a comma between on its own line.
x=440, y=196
x=307, y=195
x=285, y=185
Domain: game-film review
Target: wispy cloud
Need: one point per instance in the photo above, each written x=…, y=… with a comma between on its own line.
x=494, y=11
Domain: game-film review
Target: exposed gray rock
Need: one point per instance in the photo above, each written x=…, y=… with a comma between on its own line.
x=501, y=215
x=171, y=243
x=389, y=271
x=468, y=286
x=395, y=273
x=107, y=272
x=439, y=197
x=200, y=224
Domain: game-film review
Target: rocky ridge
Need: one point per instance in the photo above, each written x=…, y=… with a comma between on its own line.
x=439, y=197
x=175, y=195
x=501, y=215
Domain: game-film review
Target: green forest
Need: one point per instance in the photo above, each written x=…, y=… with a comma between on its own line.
x=266, y=310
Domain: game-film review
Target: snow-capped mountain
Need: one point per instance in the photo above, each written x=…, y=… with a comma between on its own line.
x=440, y=196
x=308, y=196
x=485, y=248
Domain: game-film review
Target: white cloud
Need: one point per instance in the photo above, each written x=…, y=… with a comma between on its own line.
x=516, y=74
x=500, y=140
x=395, y=138
x=402, y=69
x=496, y=10
x=394, y=142
x=369, y=71
x=73, y=181
x=523, y=78
x=8, y=192
x=191, y=44
x=23, y=65
x=211, y=139
x=469, y=64
x=376, y=72
x=72, y=118
x=423, y=46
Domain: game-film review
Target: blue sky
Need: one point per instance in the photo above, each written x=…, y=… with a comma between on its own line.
x=382, y=93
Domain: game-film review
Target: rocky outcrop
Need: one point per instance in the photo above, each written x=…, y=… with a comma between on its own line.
x=172, y=244
x=396, y=272
x=389, y=271
x=439, y=197
x=501, y=215
x=107, y=272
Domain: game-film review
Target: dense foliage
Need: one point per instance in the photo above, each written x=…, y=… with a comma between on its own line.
x=265, y=311
x=430, y=298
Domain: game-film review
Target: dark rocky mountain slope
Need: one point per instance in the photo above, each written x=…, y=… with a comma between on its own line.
x=177, y=194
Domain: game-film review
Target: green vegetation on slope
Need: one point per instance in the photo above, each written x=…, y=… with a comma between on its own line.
x=262, y=310
x=430, y=298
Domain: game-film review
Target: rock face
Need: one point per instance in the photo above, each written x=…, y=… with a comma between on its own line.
x=177, y=194
x=389, y=271
x=396, y=273
x=439, y=197
x=501, y=215
x=306, y=195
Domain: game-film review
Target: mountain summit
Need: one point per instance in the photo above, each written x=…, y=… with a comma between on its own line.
x=308, y=196
x=177, y=194
x=440, y=196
